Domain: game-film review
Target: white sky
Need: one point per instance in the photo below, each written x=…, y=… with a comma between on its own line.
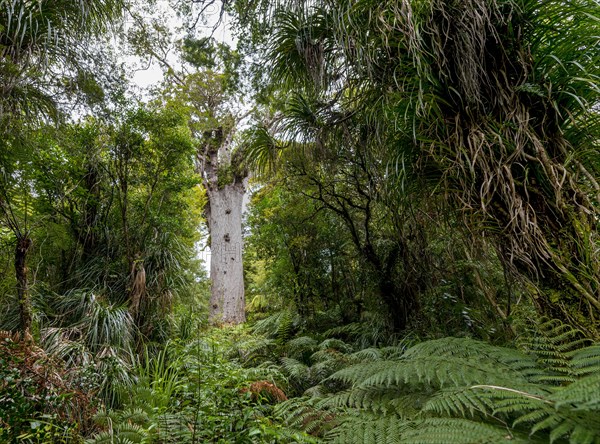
x=151, y=76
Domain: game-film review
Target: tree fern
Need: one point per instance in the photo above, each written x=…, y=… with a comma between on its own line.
x=586, y=361
x=461, y=390
x=554, y=344
x=455, y=430
x=306, y=414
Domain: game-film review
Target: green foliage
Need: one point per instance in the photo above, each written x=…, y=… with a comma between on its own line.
x=41, y=400
x=86, y=331
x=419, y=157
x=313, y=254
x=123, y=428
x=480, y=104
x=192, y=391
x=307, y=254
x=460, y=390
x=37, y=40
x=205, y=53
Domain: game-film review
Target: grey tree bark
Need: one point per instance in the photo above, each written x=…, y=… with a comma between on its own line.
x=225, y=182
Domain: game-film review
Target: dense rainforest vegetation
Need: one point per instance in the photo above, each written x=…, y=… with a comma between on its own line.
x=401, y=200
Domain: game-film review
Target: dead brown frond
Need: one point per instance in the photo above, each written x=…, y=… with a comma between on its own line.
x=138, y=287
x=266, y=390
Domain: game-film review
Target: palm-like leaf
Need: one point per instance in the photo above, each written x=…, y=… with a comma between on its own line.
x=38, y=35
x=501, y=97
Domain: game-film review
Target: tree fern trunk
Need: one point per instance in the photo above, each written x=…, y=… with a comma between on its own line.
x=24, y=244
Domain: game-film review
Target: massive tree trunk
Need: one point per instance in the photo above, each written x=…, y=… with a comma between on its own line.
x=23, y=245
x=227, y=301
x=225, y=183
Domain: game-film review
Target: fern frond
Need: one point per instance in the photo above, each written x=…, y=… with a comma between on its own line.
x=457, y=390
x=285, y=329
x=254, y=348
x=297, y=347
x=393, y=352
x=554, y=344
x=583, y=394
x=267, y=371
x=585, y=427
x=132, y=432
x=367, y=354
x=303, y=413
x=460, y=431
x=357, y=373
x=410, y=405
x=329, y=354
x=142, y=395
x=279, y=325
x=317, y=391
x=134, y=415
x=105, y=417
x=351, y=330
x=382, y=400
x=335, y=344
x=445, y=371
x=322, y=370
x=373, y=330
x=461, y=401
x=369, y=429
x=104, y=437
x=122, y=433
x=172, y=427
x=465, y=348
x=295, y=368
x=586, y=360
x=558, y=413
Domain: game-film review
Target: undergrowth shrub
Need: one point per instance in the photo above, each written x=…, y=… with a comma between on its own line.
x=82, y=329
x=192, y=391
x=301, y=362
x=41, y=400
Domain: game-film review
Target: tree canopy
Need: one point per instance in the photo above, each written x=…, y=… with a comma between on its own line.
x=400, y=198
